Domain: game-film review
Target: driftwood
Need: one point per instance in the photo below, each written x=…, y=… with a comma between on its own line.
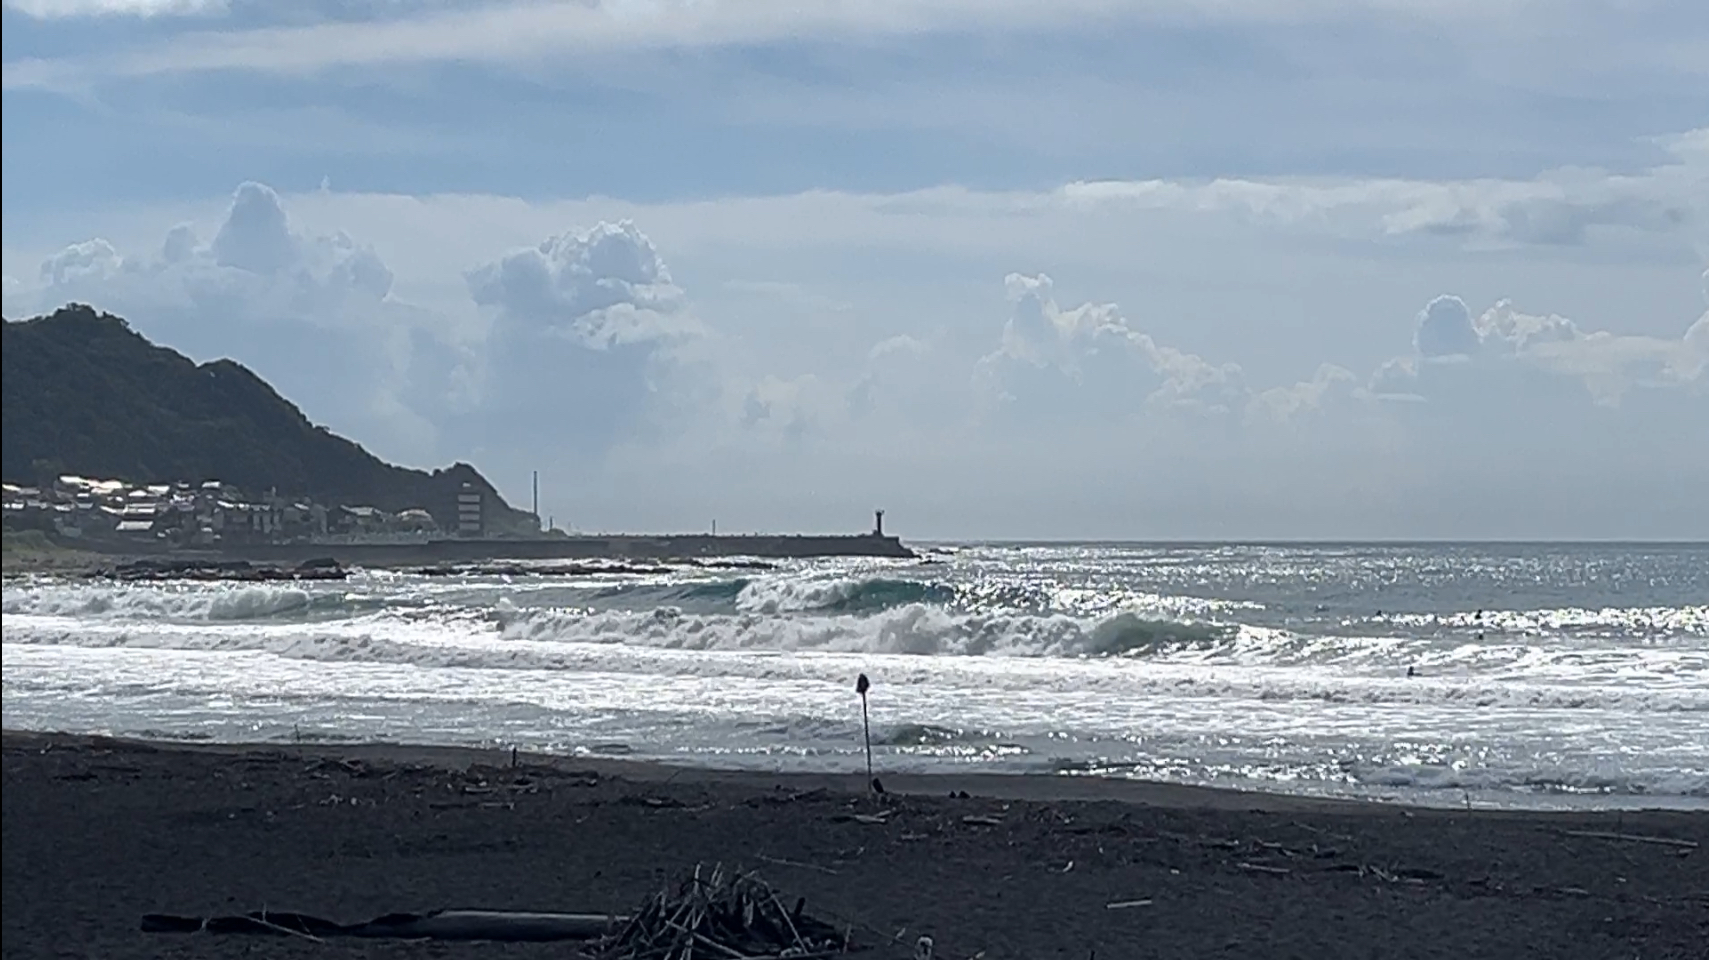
x=495, y=925
x=797, y=863
x=1632, y=838
x=715, y=913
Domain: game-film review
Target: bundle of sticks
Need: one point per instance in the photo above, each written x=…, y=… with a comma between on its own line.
x=716, y=914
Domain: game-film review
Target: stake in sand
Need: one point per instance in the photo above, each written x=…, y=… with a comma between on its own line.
x=862, y=685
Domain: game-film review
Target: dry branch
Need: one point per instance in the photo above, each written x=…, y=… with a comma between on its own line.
x=1632, y=838
x=737, y=916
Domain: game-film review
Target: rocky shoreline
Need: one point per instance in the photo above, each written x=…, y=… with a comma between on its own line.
x=154, y=569
x=157, y=569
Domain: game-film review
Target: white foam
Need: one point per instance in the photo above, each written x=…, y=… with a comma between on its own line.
x=915, y=628
x=123, y=601
x=675, y=645
x=773, y=595
x=1078, y=668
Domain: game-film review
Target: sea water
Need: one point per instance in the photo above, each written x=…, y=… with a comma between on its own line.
x=1540, y=675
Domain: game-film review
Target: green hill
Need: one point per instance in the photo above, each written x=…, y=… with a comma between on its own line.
x=85, y=394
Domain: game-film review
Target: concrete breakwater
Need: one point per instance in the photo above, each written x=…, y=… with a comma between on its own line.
x=621, y=546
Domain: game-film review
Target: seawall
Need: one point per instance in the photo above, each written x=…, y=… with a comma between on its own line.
x=621, y=546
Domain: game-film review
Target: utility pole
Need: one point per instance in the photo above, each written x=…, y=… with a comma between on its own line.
x=537, y=501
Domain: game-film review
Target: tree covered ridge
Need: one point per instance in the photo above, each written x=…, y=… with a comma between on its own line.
x=83, y=393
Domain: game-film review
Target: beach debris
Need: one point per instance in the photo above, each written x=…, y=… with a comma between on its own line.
x=780, y=861
x=1126, y=904
x=923, y=949
x=798, y=796
x=982, y=820
x=1261, y=868
x=495, y=925
x=1393, y=874
x=1632, y=838
x=716, y=912
x=657, y=803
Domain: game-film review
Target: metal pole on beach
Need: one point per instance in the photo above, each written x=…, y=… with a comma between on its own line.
x=862, y=685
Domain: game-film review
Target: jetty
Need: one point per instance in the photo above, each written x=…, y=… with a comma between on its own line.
x=612, y=547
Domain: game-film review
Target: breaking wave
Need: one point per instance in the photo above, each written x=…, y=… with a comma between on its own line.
x=216, y=602
x=839, y=595
x=399, y=644
x=915, y=628
x=774, y=595
x=922, y=735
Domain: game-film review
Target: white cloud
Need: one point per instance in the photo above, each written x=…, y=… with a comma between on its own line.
x=584, y=332
x=1503, y=339
x=311, y=313
x=604, y=287
x=858, y=374
x=1445, y=329
x=1557, y=208
x=1329, y=385
x=1089, y=359
x=509, y=33
x=68, y=9
x=90, y=260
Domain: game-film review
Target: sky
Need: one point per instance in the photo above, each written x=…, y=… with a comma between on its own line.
x=1009, y=269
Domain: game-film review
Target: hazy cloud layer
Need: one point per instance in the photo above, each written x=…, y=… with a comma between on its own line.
x=67, y=9
x=533, y=30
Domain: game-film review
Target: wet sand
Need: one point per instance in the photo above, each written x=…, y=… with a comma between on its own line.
x=98, y=832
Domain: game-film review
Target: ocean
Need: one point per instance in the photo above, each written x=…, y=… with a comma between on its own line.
x=1543, y=675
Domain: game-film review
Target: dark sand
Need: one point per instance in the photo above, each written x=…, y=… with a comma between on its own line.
x=99, y=832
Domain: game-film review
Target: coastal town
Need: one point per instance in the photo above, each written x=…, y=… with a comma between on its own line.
x=212, y=513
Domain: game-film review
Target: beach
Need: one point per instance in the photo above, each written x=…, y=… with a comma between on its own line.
x=98, y=832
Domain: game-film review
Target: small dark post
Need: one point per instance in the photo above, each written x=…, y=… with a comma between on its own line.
x=878, y=523
x=862, y=685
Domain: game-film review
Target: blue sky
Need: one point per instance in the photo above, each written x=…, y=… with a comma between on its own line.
x=1009, y=268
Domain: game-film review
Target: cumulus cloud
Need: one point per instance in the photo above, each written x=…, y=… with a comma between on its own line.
x=1445, y=329
x=604, y=287
x=582, y=355
x=1503, y=339
x=566, y=347
x=310, y=313
x=1090, y=356
x=582, y=330
x=1330, y=385
x=255, y=259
